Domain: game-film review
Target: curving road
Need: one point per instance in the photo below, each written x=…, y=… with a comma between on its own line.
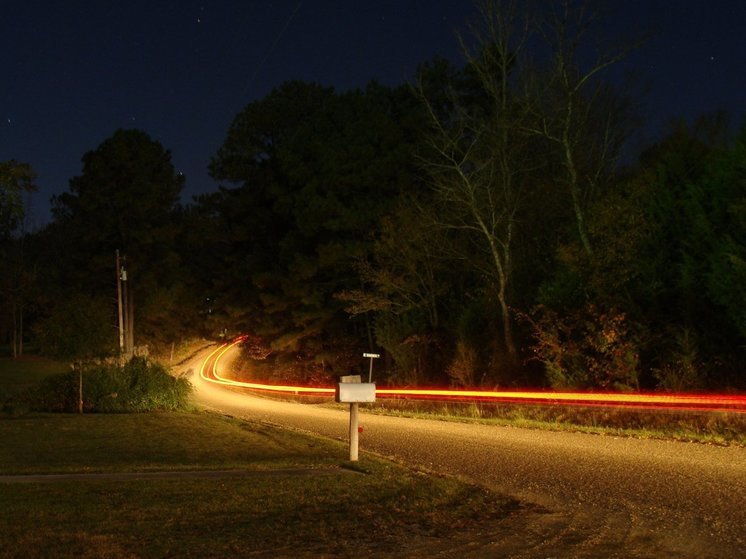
x=585, y=495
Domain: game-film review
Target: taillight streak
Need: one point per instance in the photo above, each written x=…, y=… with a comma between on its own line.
x=689, y=402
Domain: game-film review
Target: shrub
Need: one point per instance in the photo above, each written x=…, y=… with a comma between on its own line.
x=683, y=369
x=587, y=348
x=463, y=369
x=56, y=393
x=138, y=386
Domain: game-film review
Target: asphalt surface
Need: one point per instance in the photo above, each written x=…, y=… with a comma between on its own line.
x=585, y=495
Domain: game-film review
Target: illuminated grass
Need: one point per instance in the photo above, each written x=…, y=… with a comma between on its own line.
x=62, y=443
x=379, y=511
x=704, y=427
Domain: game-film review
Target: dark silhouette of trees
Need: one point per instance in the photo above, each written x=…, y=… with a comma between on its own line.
x=15, y=179
x=316, y=171
x=16, y=273
x=474, y=227
x=125, y=199
x=479, y=159
x=664, y=280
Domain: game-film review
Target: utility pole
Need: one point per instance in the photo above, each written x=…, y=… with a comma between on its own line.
x=120, y=271
x=126, y=311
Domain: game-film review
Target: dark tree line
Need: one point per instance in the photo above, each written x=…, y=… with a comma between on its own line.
x=474, y=226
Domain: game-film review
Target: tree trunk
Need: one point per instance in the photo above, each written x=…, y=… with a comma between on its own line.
x=20, y=331
x=80, y=389
x=15, y=331
x=502, y=294
x=507, y=327
x=580, y=220
x=130, y=324
x=574, y=187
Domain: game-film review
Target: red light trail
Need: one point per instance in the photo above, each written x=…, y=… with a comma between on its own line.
x=688, y=402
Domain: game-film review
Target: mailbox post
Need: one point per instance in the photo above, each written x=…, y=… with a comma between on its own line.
x=351, y=390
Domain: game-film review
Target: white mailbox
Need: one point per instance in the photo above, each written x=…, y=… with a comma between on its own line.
x=353, y=392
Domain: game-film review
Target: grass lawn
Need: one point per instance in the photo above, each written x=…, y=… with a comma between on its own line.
x=378, y=510
x=16, y=375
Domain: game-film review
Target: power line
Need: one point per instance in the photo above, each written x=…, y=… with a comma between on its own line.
x=272, y=47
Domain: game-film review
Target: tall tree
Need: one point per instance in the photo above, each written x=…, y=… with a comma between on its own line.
x=480, y=160
x=15, y=179
x=403, y=292
x=18, y=277
x=124, y=199
x=585, y=119
x=525, y=114
x=697, y=179
x=665, y=273
x=15, y=273
x=316, y=170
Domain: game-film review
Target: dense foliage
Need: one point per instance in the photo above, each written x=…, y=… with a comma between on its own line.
x=137, y=386
x=16, y=179
x=475, y=227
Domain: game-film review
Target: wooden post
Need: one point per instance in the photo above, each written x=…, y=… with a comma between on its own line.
x=80, y=389
x=354, y=434
x=351, y=390
x=130, y=341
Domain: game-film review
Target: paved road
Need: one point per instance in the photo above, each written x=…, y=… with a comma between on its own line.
x=586, y=495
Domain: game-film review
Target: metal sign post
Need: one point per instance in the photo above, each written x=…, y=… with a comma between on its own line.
x=370, y=370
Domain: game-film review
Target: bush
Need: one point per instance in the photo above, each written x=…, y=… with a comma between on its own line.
x=463, y=368
x=138, y=386
x=587, y=348
x=682, y=368
x=56, y=393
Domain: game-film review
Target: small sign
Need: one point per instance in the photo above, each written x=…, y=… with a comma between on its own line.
x=371, y=355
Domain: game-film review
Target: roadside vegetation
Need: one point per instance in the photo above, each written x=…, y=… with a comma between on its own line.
x=136, y=386
x=35, y=383
x=687, y=426
x=690, y=426
x=709, y=427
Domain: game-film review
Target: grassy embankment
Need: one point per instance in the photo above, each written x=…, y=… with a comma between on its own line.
x=378, y=507
x=689, y=426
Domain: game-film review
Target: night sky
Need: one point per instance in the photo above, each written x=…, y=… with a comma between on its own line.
x=75, y=71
